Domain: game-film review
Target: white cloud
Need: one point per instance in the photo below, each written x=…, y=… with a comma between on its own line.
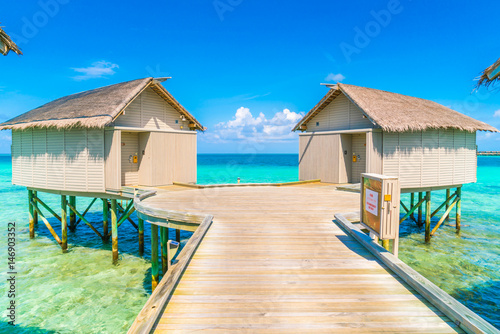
x=98, y=69
x=335, y=77
x=497, y=113
x=245, y=127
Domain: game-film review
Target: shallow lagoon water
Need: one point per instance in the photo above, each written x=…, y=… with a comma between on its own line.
x=82, y=292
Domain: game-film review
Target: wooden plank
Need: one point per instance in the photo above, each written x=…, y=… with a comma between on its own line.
x=461, y=315
x=146, y=320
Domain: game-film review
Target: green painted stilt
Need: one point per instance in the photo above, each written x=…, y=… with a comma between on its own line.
x=154, y=257
x=447, y=203
x=35, y=212
x=459, y=209
x=72, y=215
x=64, y=224
x=428, y=216
x=178, y=235
x=114, y=230
x=412, y=203
x=141, y=236
x=164, y=249
x=419, y=222
x=31, y=214
x=105, y=217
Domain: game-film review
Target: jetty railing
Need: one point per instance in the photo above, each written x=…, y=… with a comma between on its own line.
x=463, y=317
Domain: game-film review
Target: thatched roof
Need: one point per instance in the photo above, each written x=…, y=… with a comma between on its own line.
x=94, y=108
x=6, y=44
x=490, y=75
x=398, y=113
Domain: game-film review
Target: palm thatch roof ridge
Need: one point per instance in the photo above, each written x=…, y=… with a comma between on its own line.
x=95, y=108
x=6, y=44
x=490, y=75
x=398, y=113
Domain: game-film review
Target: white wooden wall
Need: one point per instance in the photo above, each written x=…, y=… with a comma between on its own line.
x=150, y=111
x=358, y=148
x=320, y=157
x=129, y=169
x=70, y=160
x=430, y=158
x=340, y=114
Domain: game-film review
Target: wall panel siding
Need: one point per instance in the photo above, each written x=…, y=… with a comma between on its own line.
x=319, y=157
x=27, y=157
x=129, y=148
x=16, y=157
x=446, y=157
x=55, y=159
x=340, y=114
x=40, y=158
x=60, y=159
x=374, y=152
x=150, y=111
x=471, y=157
x=112, y=158
x=358, y=149
x=430, y=158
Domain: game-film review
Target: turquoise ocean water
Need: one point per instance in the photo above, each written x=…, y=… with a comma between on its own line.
x=82, y=292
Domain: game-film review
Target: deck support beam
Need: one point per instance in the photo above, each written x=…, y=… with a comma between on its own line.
x=47, y=224
x=114, y=231
x=178, y=235
x=86, y=210
x=75, y=211
x=72, y=215
x=459, y=209
x=446, y=214
x=141, y=236
x=31, y=214
x=105, y=217
x=427, y=216
x=64, y=224
x=154, y=257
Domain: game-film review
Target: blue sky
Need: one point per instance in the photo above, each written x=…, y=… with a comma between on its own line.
x=252, y=66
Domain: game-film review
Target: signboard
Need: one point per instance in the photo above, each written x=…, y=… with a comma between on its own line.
x=371, y=200
x=372, y=194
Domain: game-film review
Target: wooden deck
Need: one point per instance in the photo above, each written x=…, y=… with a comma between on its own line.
x=274, y=262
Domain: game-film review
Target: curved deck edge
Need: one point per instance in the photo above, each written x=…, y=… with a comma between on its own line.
x=466, y=319
x=146, y=320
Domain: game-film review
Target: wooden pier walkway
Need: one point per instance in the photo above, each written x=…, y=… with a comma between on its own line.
x=274, y=262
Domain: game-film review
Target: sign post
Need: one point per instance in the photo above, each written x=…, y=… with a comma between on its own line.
x=380, y=197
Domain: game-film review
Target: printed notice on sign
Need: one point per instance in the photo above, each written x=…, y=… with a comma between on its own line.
x=371, y=202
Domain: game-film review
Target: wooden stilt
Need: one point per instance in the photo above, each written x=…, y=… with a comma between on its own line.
x=178, y=235
x=164, y=249
x=141, y=236
x=114, y=231
x=412, y=202
x=35, y=213
x=386, y=244
x=31, y=214
x=154, y=257
x=105, y=212
x=419, y=222
x=447, y=203
x=428, y=216
x=64, y=224
x=459, y=209
x=72, y=215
